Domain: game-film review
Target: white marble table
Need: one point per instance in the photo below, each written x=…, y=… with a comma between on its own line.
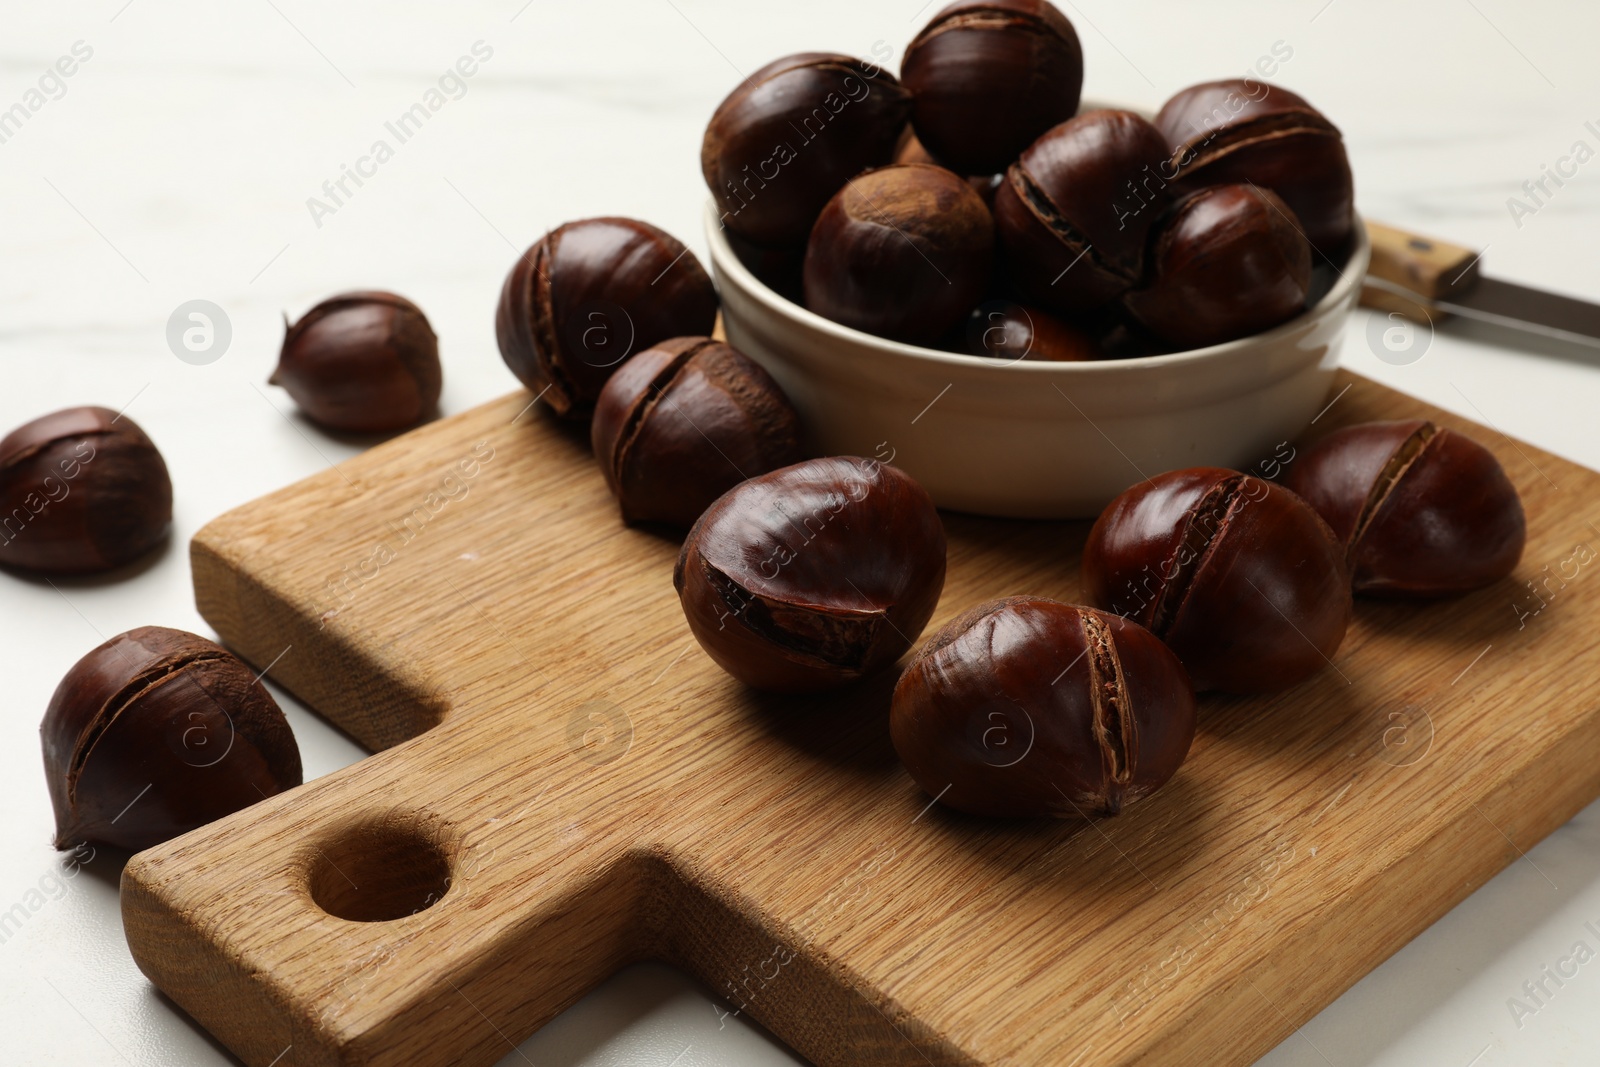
x=177, y=162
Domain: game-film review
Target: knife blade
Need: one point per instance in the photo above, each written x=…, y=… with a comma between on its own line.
x=1425, y=279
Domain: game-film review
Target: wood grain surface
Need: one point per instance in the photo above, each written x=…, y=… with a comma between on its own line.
x=568, y=784
x=1428, y=266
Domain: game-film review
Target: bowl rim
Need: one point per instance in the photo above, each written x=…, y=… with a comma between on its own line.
x=728, y=263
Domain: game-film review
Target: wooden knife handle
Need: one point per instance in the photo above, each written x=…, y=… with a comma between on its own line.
x=1425, y=265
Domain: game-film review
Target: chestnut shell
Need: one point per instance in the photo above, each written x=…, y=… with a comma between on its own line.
x=363, y=362
x=682, y=423
x=589, y=294
x=1422, y=511
x=903, y=252
x=1074, y=211
x=814, y=575
x=81, y=490
x=1240, y=577
x=1228, y=261
x=987, y=77
x=789, y=137
x=157, y=732
x=1026, y=707
x=1226, y=132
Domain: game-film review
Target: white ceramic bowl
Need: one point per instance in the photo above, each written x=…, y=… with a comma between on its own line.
x=1034, y=439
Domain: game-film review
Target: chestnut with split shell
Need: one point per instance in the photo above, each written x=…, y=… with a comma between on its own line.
x=1239, y=130
x=1027, y=706
x=814, y=575
x=791, y=134
x=157, y=732
x=986, y=77
x=590, y=294
x=1072, y=228
x=1422, y=511
x=1240, y=577
x=682, y=423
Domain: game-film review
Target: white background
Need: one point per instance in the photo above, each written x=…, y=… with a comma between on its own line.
x=178, y=164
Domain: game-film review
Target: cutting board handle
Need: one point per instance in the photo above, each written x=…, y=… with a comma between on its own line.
x=1427, y=266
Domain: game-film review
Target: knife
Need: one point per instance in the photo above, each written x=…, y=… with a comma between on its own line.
x=1424, y=279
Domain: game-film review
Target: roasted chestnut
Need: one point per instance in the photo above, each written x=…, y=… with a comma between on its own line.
x=587, y=296
x=814, y=575
x=903, y=252
x=157, y=732
x=1074, y=212
x=365, y=362
x=986, y=77
x=1227, y=261
x=789, y=137
x=1026, y=706
x=1243, y=130
x=1001, y=329
x=1240, y=577
x=1422, y=511
x=81, y=490
x=682, y=423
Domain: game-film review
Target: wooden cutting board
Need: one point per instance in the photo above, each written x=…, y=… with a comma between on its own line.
x=568, y=784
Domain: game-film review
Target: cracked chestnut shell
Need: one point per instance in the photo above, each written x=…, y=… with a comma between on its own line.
x=904, y=252
x=589, y=294
x=81, y=490
x=814, y=575
x=1074, y=211
x=1240, y=577
x=1245, y=131
x=1027, y=706
x=1422, y=511
x=363, y=362
x=682, y=423
x=156, y=732
x=789, y=137
x=987, y=77
x=1227, y=262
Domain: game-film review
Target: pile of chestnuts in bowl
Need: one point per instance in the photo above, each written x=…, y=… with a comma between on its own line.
x=1012, y=303
x=1100, y=290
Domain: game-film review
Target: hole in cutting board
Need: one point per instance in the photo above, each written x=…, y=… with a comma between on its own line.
x=377, y=873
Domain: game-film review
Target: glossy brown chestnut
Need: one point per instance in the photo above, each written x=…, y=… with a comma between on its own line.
x=81, y=490
x=814, y=575
x=1239, y=577
x=682, y=423
x=1242, y=130
x=789, y=137
x=986, y=77
x=1026, y=707
x=1422, y=511
x=1227, y=261
x=904, y=252
x=157, y=732
x=1074, y=212
x=365, y=362
x=590, y=294
x=1000, y=329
